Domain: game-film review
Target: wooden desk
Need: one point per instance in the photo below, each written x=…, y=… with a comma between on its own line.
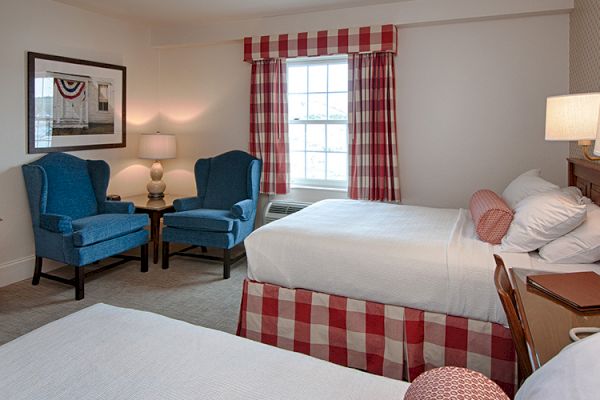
x=155, y=208
x=546, y=321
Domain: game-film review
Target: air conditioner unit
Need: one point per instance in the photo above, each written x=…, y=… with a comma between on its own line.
x=279, y=209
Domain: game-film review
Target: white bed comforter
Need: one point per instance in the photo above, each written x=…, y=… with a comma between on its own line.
x=418, y=257
x=109, y=353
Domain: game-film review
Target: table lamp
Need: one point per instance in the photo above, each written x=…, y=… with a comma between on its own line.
x=574, y=117
x=157, y=147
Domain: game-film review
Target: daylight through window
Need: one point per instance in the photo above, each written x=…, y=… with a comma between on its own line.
x=318, y=121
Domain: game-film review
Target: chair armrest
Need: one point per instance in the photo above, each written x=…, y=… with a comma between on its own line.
x=56, y=223
x=243, y=209
x=117, y=207
x=187, y=203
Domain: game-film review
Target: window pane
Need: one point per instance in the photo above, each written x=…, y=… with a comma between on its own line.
x=297, y=165
x=338, y=78
x=338, y=106
x=337, y=137
x=317, y=78
x=102, y=93
x=315, y=137
x=297, y=79
x=317, y=106
x=317, y=92
x=296, y=106
x=337, y=166
x=315, y=165
x=297, y=137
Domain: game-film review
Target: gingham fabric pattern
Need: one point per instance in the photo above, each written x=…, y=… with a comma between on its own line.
x=353, y=333
x=392, y=341
x=366, y=39
x=268, y=124
x=491, y=214
x=373, y=159
x=435, y=340
x=452, y=383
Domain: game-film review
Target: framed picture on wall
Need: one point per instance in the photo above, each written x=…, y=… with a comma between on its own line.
x=74, y=104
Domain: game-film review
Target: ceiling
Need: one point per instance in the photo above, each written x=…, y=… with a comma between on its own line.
x=204, y=11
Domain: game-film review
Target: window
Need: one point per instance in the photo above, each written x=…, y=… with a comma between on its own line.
x=102, y=97
x=318, y=121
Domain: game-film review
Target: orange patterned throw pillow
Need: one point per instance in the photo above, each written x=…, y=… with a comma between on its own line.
x=491, y=215
x=453, y=383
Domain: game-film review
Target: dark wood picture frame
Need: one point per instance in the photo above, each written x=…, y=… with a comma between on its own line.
x=31, y=103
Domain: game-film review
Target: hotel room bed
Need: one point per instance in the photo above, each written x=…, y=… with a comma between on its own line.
x=105, y=352
x=418, y=257
x=423, y=270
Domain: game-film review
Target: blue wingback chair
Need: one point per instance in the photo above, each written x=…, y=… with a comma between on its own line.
x=223, y=212
x=73, y=223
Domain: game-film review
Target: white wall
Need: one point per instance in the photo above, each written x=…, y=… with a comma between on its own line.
x=48, y=27
x=471, y=104
x=204, y=100
x=402, y=13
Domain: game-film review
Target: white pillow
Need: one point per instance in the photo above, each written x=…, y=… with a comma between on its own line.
x=572, y=374
x=580, y=246
x=542, y=218
x=524, y=186
x=575, y=193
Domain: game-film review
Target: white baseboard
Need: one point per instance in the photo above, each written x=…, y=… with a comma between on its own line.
x=22, y=268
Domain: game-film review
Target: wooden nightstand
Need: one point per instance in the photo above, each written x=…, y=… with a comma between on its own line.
x=155, y=208
x=546, y=321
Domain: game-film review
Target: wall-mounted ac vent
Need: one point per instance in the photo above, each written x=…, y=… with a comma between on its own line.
x=279, y=209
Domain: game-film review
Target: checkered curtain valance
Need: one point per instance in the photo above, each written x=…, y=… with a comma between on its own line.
x=368, y=39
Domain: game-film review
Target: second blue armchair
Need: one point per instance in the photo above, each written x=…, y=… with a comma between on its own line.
x=223, y=212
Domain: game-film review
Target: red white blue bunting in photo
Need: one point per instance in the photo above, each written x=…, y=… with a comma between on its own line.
x=70, y=89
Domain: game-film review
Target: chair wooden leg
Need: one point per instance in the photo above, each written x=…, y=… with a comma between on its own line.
x=144, y=257
x=79, y=282
x=165, y=255
x=226, y=263
x=37, y=272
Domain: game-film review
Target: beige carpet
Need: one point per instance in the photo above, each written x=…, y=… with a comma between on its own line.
x=191, y=290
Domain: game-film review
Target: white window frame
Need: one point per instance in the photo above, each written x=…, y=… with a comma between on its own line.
x=319, y=183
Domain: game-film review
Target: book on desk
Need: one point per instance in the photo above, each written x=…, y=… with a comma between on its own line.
x=579, y=290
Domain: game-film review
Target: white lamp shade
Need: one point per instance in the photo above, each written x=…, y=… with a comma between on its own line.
x=157, y=146
x=572, y=117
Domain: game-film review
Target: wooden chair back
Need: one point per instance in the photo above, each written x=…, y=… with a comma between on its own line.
x=508, y=299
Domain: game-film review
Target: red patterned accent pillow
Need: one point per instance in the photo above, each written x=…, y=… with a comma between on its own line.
x=453, y=383
x=491, y=215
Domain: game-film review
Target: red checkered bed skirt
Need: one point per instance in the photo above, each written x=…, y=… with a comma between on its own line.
x=392, y=341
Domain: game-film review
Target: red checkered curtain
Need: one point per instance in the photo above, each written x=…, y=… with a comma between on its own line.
x=268, y=123
x=373, y=158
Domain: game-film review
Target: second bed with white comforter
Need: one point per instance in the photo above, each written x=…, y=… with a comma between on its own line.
x=418, y=257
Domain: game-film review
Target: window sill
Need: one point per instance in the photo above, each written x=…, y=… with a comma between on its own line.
x=331, y=189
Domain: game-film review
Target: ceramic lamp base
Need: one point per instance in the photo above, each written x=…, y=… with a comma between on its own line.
x=156, y=187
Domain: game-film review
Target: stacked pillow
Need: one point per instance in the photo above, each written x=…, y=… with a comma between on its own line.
x=542, y=218
x=525, y=185
x=535, y=214
x=580, y=246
